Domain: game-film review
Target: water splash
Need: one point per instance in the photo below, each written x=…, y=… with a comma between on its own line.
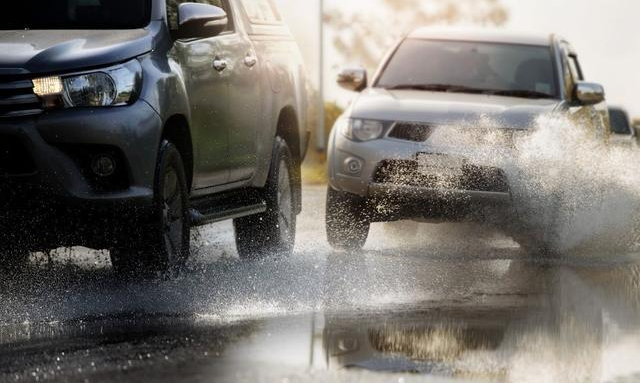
x=571, y=190
x=580, y=192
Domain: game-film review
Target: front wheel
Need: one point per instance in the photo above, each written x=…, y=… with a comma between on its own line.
x=274, y=231
x=345, y=220
x=160, y=243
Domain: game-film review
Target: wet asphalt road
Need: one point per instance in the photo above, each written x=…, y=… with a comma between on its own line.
x=449, y=303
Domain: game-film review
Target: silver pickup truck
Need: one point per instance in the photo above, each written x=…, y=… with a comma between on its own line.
x=411, y=146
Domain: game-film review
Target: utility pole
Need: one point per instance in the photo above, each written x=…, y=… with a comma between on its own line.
x=320, y=131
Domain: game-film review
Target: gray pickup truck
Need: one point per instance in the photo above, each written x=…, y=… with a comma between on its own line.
x=123, y=123
x=410, y=146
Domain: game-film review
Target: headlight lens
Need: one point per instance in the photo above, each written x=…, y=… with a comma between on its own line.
x=361, y=130
x=93, y=89
x=115, y=86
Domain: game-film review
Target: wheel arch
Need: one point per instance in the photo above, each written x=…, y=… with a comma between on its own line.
x=176, y=130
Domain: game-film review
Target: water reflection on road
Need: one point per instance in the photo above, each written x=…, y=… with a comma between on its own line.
x=456, y=305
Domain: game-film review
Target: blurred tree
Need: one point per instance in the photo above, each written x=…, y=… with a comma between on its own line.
x=332, y=112
x=315, y=167
x=362, y=37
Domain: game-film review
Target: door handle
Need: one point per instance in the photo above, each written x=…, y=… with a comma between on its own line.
x=219, y=64
x=250, y=60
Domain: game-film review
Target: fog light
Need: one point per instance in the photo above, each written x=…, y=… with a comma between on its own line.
x=103, y=165
x=353, y=165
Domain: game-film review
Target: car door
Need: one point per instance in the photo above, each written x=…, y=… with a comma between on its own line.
x=593, y=116
x=207, y=85
x=245, y=89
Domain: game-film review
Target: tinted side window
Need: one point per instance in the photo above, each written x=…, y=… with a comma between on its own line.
x=172, y=10
x=261, y=11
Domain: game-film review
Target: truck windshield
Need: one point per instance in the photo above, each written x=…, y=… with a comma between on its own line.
x=471, y=67
x=76, y=14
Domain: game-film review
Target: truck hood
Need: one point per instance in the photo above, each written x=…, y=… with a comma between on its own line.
x=54, y=51
x=448, y=108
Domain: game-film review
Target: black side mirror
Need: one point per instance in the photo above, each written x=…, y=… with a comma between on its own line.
x=200, y=21
x=353, y=79
x=620, y=122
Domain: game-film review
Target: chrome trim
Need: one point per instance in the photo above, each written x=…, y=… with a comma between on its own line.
x=588, y=93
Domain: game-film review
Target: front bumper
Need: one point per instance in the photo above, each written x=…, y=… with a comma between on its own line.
x=55, y=141
x=391, y=202
x=56, y=185
x=395, y=189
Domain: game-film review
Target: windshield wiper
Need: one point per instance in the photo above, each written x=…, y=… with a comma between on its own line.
x=520, y=93
x=465, y=89
x=437, y=88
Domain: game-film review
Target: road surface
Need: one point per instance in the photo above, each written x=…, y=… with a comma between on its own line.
x=449, y=302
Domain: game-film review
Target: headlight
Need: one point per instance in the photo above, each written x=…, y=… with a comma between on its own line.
x=361, y=130
x=114, y=86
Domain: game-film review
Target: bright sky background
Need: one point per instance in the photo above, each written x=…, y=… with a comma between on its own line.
x=604, y=32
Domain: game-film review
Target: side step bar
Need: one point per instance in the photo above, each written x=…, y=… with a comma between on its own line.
x=222, y=207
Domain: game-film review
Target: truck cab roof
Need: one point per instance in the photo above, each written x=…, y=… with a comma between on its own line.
x=482, y=35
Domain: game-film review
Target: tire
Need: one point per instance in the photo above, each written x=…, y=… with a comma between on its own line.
x=346, y=220
x=272, y=232
x=160, y=242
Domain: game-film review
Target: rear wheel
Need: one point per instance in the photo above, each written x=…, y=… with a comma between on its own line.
x=161, y=242
x=345, y=220
x=274, y=231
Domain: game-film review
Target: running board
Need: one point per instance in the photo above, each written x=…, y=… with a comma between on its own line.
x=225, y=206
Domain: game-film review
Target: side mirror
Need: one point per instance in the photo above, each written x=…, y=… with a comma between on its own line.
x=620, y=122
x=200, y=20
x=588, y=93
x=353, y=79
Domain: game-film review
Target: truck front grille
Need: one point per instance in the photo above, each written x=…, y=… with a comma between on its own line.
x=410, y=131
x=475, y=178
x=17, y=99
